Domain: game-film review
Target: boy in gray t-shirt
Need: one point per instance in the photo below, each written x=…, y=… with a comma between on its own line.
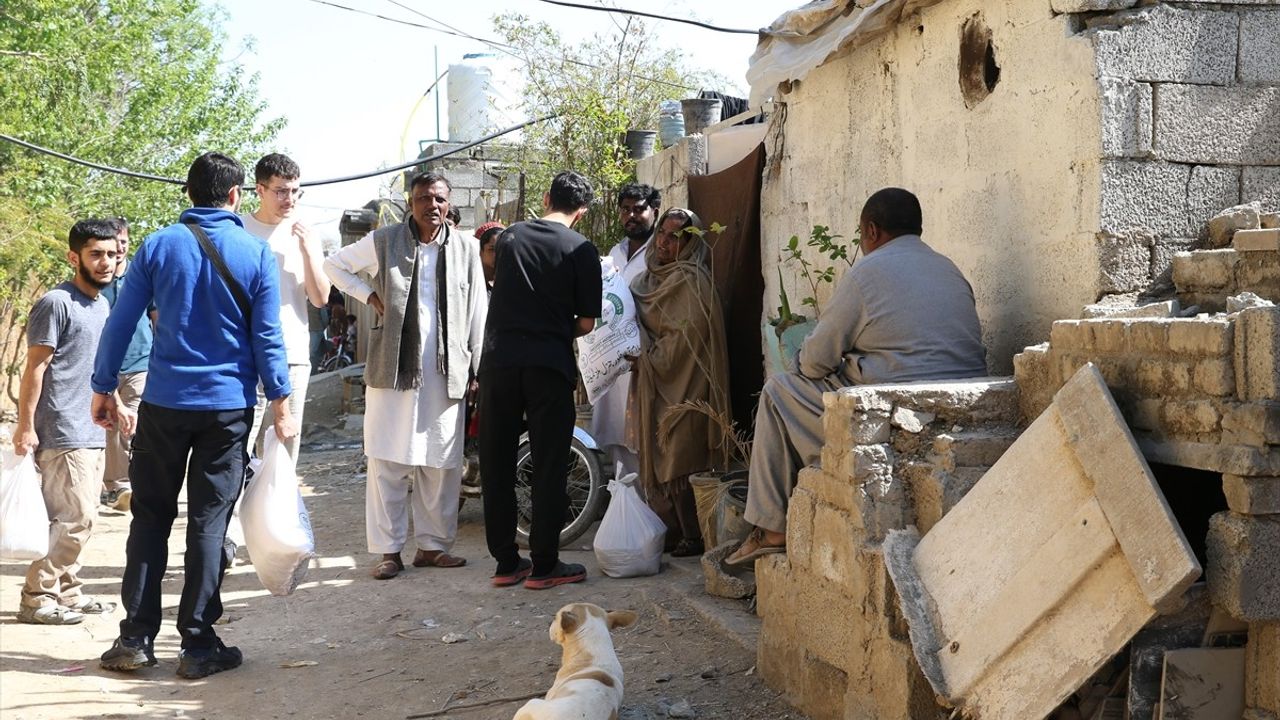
x=55, y=422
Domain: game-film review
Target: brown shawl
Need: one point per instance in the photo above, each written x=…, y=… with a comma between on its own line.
x=683, y=359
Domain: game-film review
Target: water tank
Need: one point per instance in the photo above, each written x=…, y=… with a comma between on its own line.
x=485, y=95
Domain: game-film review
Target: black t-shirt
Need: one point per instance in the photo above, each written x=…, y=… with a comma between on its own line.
x=545, y=276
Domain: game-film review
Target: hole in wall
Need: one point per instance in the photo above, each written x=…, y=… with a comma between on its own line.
x=1193, y=496
x=979, y=70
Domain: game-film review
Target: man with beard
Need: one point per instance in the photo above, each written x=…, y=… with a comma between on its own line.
x=54, y=423
x=424, y=280
x=637, y=211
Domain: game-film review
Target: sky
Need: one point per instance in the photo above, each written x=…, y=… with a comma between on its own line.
x=348, y=83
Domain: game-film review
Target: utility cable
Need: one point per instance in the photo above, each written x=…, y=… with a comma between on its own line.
x=311, y=183
x=620, y=11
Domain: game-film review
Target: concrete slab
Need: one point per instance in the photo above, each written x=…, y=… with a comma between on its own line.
x=1078, y=549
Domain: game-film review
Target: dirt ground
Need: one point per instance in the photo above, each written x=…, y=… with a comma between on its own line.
x=346, y=645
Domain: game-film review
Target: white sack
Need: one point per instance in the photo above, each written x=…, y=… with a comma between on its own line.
x=277, y=530
x=235, y=531
x=602, y=352
x=24, y=520
x=629, y=540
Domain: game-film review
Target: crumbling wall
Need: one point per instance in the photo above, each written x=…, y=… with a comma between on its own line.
x=832, y=636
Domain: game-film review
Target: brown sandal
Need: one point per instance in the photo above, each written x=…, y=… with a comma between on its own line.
x=390, y=567
x=437, y=558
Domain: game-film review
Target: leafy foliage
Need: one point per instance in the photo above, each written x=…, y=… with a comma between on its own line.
x=600, y=89
x=824, y=244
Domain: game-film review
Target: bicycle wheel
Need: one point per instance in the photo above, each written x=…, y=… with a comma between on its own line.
x=584, y=486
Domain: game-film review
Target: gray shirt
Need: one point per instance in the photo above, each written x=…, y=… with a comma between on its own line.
x=70, y=322
x=904, y=312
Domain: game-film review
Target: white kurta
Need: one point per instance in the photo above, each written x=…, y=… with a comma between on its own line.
x=421, y=427
x=609, y=416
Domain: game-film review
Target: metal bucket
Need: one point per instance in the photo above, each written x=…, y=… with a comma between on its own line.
x=699, y=113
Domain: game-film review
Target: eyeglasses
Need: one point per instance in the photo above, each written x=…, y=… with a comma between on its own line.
x=286, y=193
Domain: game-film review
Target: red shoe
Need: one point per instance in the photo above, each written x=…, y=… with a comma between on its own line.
x=564, y=574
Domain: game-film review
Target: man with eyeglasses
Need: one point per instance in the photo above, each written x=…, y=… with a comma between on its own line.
x=425, y=282
x=302, y=280
x=638, y=212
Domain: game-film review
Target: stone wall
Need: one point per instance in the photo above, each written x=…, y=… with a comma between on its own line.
x=1207, y=278
x=832, y=637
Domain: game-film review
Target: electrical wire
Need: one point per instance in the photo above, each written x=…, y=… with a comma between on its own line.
x=311, y=183
x=638, y=13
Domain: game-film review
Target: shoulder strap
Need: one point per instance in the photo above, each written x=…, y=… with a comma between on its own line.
x=215, y=257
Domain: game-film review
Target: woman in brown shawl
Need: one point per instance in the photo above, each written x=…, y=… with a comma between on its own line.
x=683, y=360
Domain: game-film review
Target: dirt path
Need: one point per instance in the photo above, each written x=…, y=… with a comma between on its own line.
x=372, y=648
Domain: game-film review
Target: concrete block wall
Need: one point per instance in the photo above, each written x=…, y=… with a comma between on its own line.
x=481, y=178
x=1190, y=125
x=832, y=637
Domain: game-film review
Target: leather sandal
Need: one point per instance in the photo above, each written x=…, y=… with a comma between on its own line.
x=752, y=548
x=390, y=567
x=437, y=558
x=89, y=606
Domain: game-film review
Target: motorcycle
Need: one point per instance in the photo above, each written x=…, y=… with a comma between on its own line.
x=586, y=484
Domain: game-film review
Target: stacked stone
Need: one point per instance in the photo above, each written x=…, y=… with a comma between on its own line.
x=1191, y=123
x=832, y=637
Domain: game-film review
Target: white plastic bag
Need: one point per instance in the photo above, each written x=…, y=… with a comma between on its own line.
x=629, y=539
x=24, y=520
x=277, y=530
x=602, y=353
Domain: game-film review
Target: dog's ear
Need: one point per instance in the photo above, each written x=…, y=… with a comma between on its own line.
x=568, y=621
x=621, y=618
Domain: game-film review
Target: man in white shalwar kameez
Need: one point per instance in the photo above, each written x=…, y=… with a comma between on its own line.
x=637, y=211
x=425, y=281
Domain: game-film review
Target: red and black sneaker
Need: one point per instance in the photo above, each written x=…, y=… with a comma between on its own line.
x=563, y=574
x=523, y=569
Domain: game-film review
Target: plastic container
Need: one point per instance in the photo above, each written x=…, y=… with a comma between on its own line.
x=485, y=95
x=640, y=143
x=670, y=123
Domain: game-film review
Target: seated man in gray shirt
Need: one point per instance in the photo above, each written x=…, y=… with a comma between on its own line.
x=904, y=313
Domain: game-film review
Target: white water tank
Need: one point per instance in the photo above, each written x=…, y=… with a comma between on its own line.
x=485, y=95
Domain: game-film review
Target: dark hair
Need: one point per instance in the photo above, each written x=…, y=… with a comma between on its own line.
x=121, y=224
x=210, y=179
x=276, y=165
x=428, y=178
x=639, y=191
x=570, y=192
x=895, y=211
x=490, y=235
x=91, y=229
x=454, y=215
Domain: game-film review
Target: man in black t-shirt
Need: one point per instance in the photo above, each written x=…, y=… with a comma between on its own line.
x=546, y=292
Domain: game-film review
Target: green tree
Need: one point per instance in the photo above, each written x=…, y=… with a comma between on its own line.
x=600, y=89
x=138, y=84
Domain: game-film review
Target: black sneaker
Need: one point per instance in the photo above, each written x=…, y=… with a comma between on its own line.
x=128, y=654
x=563, y=573
x=194, y=664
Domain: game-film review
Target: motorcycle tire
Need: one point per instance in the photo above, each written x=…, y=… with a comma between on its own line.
x=585, y=486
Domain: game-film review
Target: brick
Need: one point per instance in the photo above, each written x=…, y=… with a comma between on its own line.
x=1215, y=377
x=1252, y=495
x=1254, y=423
x=1068, y=335
x=1209, y=190
x=1190, y=418
x=1257, y=353
x=1127, y=114
x=1259, y=273
x=1143, y=199
x=1223, y=226
x=837, y=490
x=1162, y=253
x=1205, y=270
x=1231, y=126
x=1149, y=336
x=1244, y=565
x=1201, y=337
x=1260, y=47
x=1261, y=184
x=833, y=554
x=1269, y=220
x=800, y=511
x=1257, y=241
x=1166, y=44
x=1109, y=336
x=1177, y=377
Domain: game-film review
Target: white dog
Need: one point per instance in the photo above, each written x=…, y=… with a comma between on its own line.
x=589, y=684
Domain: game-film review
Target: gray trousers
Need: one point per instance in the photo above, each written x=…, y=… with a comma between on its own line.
x=788, y=437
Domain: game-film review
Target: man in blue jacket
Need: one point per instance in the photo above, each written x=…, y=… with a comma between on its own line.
x=209, y=353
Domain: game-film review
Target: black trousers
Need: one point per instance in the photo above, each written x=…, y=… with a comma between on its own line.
x=207, y=448
x=508, y=398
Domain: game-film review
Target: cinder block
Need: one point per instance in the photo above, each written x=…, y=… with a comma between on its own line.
x=1149, y=336
x=1126, y=114
x=835, y=546
x=1162, y=253
x=837, y=490
x=1257, y=353
x=1244, y=565
x=1215, y=377
x=1254, y=423
x=1190, y=417
x=1124, y=260
x=1237, y=125
x=1259, y=272
x=1201, y=337
x=1252, y=495
x=1260, y=47
x=1262, y=667
x=1068, y=335
x=1270, y=220
x=1167, y=44
x=1257, y=240
x=1076, y=6
x=1108, y=336
x=1261, y=184
x=1143, y=195
x=1209, y=190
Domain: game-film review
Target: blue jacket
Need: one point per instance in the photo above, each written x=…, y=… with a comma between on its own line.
x=203, y=357
x=139, y=351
